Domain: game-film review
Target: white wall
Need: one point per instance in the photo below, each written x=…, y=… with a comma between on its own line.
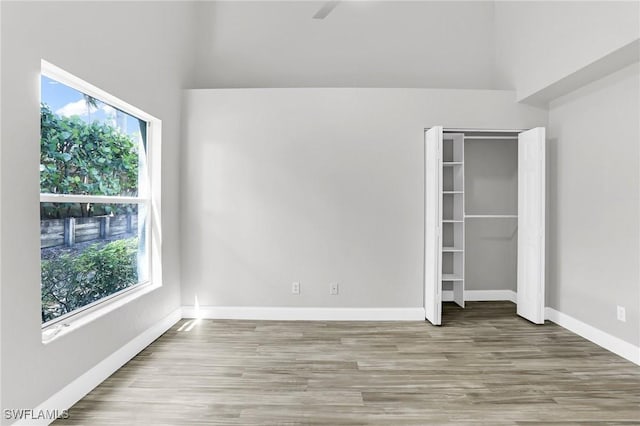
x=540, y=42
x=360, y=44
x=138, y=52
x=594, y=204
x=315, y=186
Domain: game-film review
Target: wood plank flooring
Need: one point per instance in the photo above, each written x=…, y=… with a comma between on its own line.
x=485, y=366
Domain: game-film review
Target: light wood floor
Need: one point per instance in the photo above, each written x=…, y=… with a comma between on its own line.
x=484, y=366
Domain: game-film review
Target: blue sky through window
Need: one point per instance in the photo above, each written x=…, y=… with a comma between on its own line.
x=66, y=101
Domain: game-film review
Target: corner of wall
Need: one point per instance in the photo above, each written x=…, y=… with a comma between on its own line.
x=501, y=77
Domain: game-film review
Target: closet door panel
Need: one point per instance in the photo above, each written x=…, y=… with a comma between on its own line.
x=433, y=223
x=531, y=225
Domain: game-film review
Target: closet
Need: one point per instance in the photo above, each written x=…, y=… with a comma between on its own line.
x=496, y=203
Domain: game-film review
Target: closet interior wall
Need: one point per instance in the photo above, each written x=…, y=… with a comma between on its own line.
x=490, y=200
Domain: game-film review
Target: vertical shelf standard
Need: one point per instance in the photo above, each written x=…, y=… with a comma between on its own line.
x=453, y=214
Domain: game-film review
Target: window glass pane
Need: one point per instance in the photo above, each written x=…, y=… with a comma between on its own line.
x=89, y=252
x=87, y=146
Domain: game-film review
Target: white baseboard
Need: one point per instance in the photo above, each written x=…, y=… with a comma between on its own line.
x=76, y=390
x=482, y=295
x=334, y=314
x=489, y=295
x=595, y=335
x=303, y=314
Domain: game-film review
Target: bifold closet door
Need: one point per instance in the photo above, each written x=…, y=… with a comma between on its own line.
x=433, y=220
x=531, y=224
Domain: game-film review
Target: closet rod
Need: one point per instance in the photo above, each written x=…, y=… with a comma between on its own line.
x=490, y=216
x=460, y=130
x=505, y=138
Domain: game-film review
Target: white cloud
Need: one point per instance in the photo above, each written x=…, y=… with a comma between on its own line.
x=108, y=109
x=110, y=113
x=76, y=108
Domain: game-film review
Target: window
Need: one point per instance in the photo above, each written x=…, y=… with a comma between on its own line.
x=97, y=212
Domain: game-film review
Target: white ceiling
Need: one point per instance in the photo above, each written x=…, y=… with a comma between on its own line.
x=360, y=44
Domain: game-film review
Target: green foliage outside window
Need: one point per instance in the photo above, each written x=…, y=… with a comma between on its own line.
x=71, y=281
x=84, y=159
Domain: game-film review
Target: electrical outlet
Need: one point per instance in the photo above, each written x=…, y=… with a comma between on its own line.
x=333, y=289
x=295, y=288
x=622, y=314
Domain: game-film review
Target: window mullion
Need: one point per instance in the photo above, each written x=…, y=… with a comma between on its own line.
x=98, y=199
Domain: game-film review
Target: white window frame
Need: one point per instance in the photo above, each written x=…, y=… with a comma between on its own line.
x=148, y=196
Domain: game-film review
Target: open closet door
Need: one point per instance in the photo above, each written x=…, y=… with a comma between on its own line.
x=433, y=219
x=531, y=224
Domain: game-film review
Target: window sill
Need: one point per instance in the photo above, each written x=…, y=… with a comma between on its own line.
x=56, y=330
